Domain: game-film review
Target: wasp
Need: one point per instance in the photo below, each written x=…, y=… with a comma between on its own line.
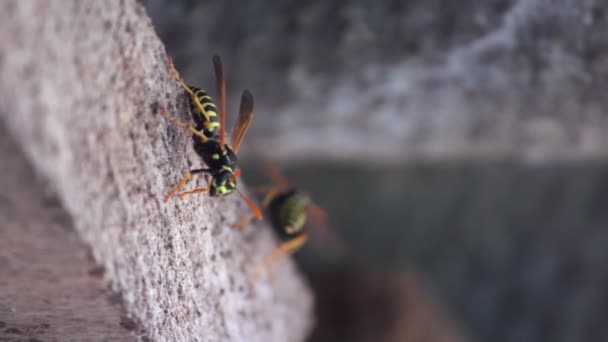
x=209, y=137
x=289, y=208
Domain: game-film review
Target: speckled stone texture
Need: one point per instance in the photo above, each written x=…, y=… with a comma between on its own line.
x=80, y=87
x=50, y=288
x=396, y=81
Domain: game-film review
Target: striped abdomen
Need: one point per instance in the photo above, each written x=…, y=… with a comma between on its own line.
x=206, y=120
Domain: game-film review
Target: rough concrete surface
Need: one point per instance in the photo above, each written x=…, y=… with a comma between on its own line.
x=395, y=81
x=50, y=289
x=80, y=87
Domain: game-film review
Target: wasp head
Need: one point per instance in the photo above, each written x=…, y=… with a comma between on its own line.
x=222, y=183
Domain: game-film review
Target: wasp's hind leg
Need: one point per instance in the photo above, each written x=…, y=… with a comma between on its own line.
x=178, y=77
x=181, y=82
x=189, y=127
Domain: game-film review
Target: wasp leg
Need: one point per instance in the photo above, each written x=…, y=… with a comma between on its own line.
x=192, y=192
x=179, y=185
x=183, y=182
x=177, y=76
x=195, y=191
x=199, y=190
x=272, y=192
x=187, y=88
x=183, y=124
x=284, y=250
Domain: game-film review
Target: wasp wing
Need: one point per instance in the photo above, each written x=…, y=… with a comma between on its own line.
x=243, y=120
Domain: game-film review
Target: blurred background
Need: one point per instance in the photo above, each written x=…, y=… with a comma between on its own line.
x=459, y=148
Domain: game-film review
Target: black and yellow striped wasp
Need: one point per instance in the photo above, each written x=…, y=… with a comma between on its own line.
x=209, y=137
x=289, y=208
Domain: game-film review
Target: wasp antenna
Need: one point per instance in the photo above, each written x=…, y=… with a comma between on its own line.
x=254, y=208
